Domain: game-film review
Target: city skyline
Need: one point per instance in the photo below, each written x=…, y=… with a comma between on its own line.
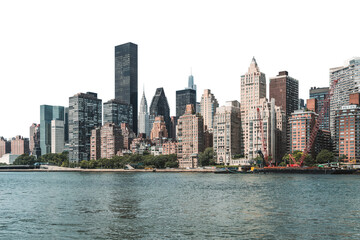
x=164, y=60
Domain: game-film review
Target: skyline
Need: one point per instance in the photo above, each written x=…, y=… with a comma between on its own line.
x=49, y=56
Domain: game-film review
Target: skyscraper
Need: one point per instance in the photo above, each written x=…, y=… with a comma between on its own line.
x=126, y=77
x=47, y=114
x=85, y=113
x=5, y=146
x=57, y=136
x=143, y=123
x=349, y=82
x=253, y=87
x=227, y=130
x=160, y=107
x=208, y=107
x=118, y=112
x=320, y=94
x=191, y=84
x=158, y=130
x=19, y=145
x=285, y=90
x=183, y=98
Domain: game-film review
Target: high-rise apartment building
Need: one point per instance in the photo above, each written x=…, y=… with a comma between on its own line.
x=66, y=124
x=158, y=130
x=57, y=136
x=143, y=122
x=285, y=90
x=252, y=88
x=126, y=77
x=106, y=141
x=347, y=130
x=349, y=82
x=34, y=144
x=127, y=135
x=227, y=132
x=173, y=123
x=5, y=146
x=47, y=114
x=159, y=107
x=190, y=138
x=208, y=107
x=19, y=145
x=183, y=98
x=320, y=94
x=85, y=113
x=118, y=112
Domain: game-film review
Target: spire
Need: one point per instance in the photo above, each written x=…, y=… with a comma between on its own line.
x=254, y=66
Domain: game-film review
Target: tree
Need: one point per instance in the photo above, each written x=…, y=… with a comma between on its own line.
x=25, y=159
x=207, y=157
x=325, y=156
x=342, y=157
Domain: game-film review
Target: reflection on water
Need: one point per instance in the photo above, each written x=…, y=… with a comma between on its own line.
x=178, y=205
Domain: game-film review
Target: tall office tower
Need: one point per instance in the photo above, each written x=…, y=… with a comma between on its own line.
x=5, y=146
x=66, y=125
x=159, y=107
x=143, y=123
x=85, y=113
x=126, y=77
x=227, y=130
x=191, y=84
x=285, y=90
x=190, y=136
x=349, y=82
x=320, y=94
x=183, y=98
x=47, y=114
x=208, y=107
x=34, y=144
x=118, y=112
x=347, y=130
x=57, y=136
x=159, y=130
x=253, y=87
x=301, y=123
x=19, y=145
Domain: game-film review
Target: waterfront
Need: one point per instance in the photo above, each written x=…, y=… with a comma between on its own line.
x=76, y=205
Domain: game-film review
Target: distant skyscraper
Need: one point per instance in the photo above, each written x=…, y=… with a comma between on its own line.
x=118, y=112
x=34, y=144
x=183, y=98
x=285, y=90
x=85, y=113
x=320, y=94
x=57, y=136
x=160, y=107
x=191, y=84
x=253, y=87
x=47, y=114
x=349, y=82
x=208, y=107
x=143, y=122
x=5, y=146
x=126, y=77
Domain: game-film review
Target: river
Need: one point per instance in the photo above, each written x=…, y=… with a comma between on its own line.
x=75, y=205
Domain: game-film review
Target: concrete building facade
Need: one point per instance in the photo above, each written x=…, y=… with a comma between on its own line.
x=5, y=146
x=320, y=94
x=19, y=145
x=57, y=136
x=159, y=130
x=227, y=132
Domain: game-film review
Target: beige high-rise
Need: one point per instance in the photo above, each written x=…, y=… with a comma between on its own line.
x=252, y=88
x=208, y=105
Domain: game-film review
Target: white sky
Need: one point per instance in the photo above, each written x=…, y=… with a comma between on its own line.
x=51, y=50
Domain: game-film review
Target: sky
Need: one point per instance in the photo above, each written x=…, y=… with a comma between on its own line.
x=51, y=50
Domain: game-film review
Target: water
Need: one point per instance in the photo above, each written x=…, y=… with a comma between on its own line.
x=178, y=206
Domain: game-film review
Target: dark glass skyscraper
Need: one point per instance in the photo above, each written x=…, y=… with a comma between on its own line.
x=320, y=94
x=117, y=112
x=85, y=114
x=126, y=77
x=48, y=113
x=183, y=98
x=160, y=107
